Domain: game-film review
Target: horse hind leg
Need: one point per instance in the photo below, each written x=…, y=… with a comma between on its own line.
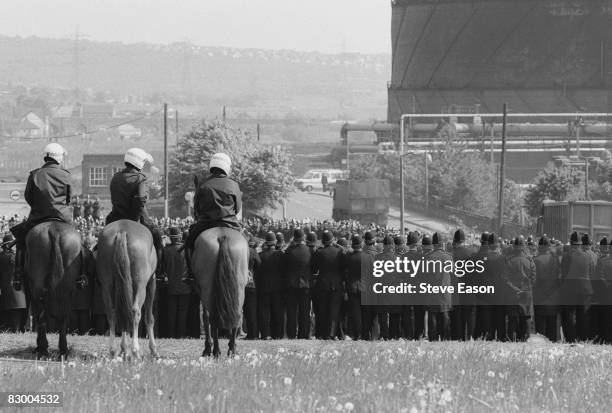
x=42, y=345
x=136, y=323
x=207, y=342
x=149, y=319
x=215, y=334
x=125, y=348
x=231, y=351
x=110, y=316
x=63, y=343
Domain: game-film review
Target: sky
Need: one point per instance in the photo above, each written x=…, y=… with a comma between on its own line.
x=329, y=26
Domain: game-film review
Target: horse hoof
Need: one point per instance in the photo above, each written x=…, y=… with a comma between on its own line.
x=206, y=353
x=231, y=353
x=42, y=355
x=216, y=354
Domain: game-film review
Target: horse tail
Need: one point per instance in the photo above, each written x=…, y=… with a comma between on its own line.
x=59, y=300
x=227, y=298
x=56, y=262
x=122, y=278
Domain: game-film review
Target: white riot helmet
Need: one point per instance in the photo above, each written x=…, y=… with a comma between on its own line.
x=222, y=161
x=54, y=151
x=137, y=157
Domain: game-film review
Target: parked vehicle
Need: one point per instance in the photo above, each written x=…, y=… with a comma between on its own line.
x=313, y=179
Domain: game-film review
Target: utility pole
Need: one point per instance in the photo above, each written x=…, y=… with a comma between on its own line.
x=401, y=156
x=586, y=178
x=224, y=115
x=500, y=222
x=176, y=125
x=258, y=131
x=165, y=160
x=348, y=168
x=426, y=180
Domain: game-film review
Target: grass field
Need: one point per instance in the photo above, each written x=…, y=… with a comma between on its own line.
x=309, y=376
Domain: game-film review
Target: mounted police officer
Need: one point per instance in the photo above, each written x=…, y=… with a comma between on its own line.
x=217, y=202
x=129, y=191
x=48, y=192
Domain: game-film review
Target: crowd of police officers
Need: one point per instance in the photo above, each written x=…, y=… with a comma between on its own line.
x=542, y=285
x=306, y=282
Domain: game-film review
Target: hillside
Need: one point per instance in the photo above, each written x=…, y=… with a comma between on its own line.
x=259, y=82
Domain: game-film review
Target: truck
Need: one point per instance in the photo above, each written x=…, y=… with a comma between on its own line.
x=559, y=219
x=366, y=200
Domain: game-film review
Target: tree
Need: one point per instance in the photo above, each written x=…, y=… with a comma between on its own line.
x=601, y=187
x=556, y=183
x=263, y=172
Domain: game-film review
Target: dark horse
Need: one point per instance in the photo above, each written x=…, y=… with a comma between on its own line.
x=52, y=265
x=125, y=264
x=220, y=266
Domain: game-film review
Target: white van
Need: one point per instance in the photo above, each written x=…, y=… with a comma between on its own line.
x=313, y=179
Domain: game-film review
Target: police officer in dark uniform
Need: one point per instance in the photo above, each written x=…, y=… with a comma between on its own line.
x=268, y=281
x=413, y=318
x=602, y=293
x=397, y=313
x=327, y=262
x=473, y=279
x=48, y=192
x=370, y=244
x=493, y=309
x=520, y=275
x=358, y=264
x=438, y=305
x=129, y=191
x=217, y=202
x=463, y=316
x=546, y=290
x=297, y=283
x=178, y=294
x=250, y=294
x=311, y=241
x=12, y=302
x=384, y=311
x=576, y=273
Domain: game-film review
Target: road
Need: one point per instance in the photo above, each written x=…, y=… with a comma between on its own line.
x=318, y=205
